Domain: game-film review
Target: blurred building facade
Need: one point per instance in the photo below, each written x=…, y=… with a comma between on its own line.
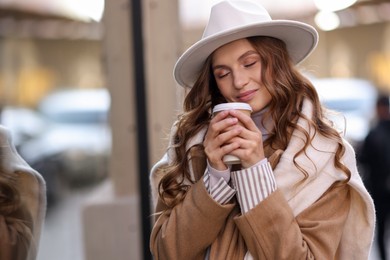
x=39, y=53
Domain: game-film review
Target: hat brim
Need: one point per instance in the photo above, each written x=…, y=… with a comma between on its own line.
x=300, y=39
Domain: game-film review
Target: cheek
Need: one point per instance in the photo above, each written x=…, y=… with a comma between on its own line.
x=267, y=97
x=224, y=89
x=261, y=101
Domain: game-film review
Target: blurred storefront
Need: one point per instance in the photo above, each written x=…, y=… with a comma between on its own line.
x=43, y=49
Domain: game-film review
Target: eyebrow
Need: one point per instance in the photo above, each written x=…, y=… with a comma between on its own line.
x=243, y=56
x=250, y=52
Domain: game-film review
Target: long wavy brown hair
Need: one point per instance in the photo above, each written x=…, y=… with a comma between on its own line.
x=288, y=88
x=11, y=209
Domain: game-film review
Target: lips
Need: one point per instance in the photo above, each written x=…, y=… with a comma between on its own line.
x=246, y=96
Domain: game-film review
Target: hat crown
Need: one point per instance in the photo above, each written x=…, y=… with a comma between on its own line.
x=241, y=13
x=231, y=20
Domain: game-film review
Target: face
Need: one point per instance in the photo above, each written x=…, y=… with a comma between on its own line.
x=237, y=70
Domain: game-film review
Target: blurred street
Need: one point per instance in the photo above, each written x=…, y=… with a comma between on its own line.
x=62, y=237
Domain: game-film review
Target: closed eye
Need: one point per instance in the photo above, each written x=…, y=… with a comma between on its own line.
x=250, y=64
x=221, y=73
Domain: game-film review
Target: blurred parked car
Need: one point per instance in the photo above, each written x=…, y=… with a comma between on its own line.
x=75, y=145
x=354, y=99
x=24, y=123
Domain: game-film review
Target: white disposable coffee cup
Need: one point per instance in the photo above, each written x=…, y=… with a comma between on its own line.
x=244, y=107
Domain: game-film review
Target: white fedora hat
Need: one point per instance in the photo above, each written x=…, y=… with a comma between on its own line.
x=236, y=19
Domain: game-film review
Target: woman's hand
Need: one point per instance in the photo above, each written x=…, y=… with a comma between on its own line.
x=249, y=142
x=233, y=132
x=222, y=129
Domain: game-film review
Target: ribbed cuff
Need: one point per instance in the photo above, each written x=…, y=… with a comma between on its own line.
x=253, y=185
x=221, y=191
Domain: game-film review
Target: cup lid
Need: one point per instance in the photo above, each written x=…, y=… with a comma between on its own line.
x=232, y=106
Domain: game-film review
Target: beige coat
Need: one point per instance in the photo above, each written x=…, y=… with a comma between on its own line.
x=313, y=220
x=31, y=187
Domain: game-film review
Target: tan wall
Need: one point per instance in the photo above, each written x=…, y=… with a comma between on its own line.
x=361, y=52
x=162, y=47
x=120, y=200
x=29, y=68
x=83, y=66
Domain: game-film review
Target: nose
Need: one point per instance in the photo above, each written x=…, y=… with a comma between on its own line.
x=240, y=79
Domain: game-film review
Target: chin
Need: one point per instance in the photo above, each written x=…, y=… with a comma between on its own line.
x=258, y=107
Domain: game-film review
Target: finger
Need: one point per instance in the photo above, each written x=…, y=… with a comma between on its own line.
x=249, y=152
x=244, y=118
x=254, y=136
x=215, y=139
x=213, y=145
x=221, y=124
x=244, y=143
x=215, y=157
x=248, y=140
x=216, y=148
x=227, y=136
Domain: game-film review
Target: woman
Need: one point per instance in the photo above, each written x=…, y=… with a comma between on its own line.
x=22, y=204
x=297, y=193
